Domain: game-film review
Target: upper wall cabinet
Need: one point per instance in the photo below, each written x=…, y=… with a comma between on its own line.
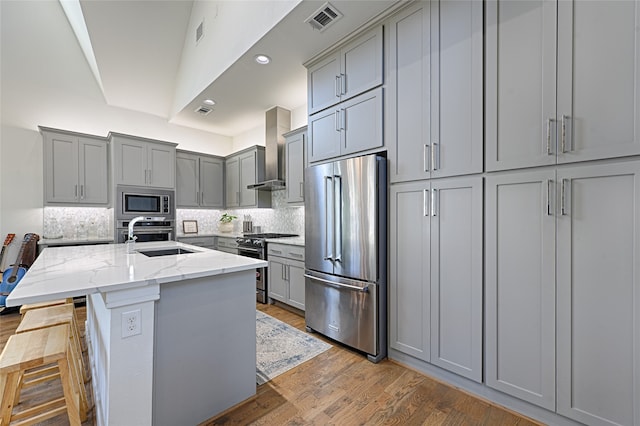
x=351, y=70
x=242, y=169
x=75, y=168
x=294, y=143
x=199, y=180
x=434, y=90
x=535, y=47
x=143, y=162
x=350, y=127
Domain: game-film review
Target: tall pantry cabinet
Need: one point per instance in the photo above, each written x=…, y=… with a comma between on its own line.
x=434, y=89
x=562, y=237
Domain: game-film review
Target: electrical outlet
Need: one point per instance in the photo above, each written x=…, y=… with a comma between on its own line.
x=131, y=323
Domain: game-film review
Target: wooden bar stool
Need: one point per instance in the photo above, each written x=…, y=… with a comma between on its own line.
x=37, y=319
x=30, y=306
x=31, y=350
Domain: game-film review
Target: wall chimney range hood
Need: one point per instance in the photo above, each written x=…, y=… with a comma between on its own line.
x=278, y=122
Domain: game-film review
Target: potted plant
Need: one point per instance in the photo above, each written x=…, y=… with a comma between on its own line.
x=226, y=224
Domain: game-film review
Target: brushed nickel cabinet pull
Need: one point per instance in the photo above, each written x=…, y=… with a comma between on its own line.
x=549, y=182
x=425, y=157
x=425, y=202
x=563, y=194
x=563, y=140
x=433, y=203
x=549, y=121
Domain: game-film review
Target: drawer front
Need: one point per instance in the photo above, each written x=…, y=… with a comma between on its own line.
x=227, y=243
x=286, y=250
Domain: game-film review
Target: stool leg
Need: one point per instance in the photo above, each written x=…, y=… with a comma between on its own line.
x=70, y=395
x=10, y=387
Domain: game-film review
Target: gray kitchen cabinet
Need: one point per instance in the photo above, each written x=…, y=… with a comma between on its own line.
x=199, y=180
x=143, y=162
x=351, y=127
x=295, y=161
x=226, y=244
x=286, y=274
x=520, y=285
x=557, y=91
x=598, y=293
x=206, y=242
x=242, y=169
x=346, y=72
x=561, y=289
x=436, y=272
x=75, y=168
x=434, y=89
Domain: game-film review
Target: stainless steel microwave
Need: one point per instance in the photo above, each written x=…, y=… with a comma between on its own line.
x=132, y=201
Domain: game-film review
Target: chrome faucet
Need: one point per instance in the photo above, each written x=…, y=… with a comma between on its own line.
x=131, y=239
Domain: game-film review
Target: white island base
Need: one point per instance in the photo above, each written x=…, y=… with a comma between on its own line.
x=194, y=358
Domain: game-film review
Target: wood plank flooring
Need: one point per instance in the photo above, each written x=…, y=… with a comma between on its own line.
x=340, y=387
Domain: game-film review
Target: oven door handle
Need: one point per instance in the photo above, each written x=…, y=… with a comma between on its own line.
x=249, y=250
x=148, y=231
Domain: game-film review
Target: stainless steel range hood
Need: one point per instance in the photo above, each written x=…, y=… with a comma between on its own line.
x=278, y=122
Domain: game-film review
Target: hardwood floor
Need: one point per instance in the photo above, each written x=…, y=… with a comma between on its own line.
x=341, y=387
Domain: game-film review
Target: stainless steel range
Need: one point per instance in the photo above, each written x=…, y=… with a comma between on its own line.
x=255, y=246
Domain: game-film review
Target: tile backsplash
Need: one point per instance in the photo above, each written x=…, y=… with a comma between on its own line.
x=77, y=222
x=280, y=218
x=94, y=222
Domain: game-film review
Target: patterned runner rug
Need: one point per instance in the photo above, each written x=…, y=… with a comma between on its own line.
x=280, y=347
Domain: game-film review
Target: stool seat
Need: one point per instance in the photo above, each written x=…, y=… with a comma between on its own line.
x=30, y=306
x=34, y=349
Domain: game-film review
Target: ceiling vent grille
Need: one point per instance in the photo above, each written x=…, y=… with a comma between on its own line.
x=324, y=17
x=199, y=32
x=203, y=110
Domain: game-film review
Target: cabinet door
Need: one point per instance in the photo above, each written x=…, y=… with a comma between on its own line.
x=92, y=171
x=161, y=165
x=408, y=94
x=361, y=123
x=187, y=180
x=520, y=95
x=61, y=165
x=324, y=135
x=324, y=84
x=598, y=79
x=361, y=64
x=295, y=275
x=409, y=275
x=456, y=88
x=232, y=182
x=278, y=286
x=130, y=162
x=520, y=286
x=295, y=168
x=211, y=182
x=599, y=294
x=456, y=275
x=248, y=197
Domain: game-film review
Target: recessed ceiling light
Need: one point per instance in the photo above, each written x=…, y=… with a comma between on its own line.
x=262, y=59
x=209, y=102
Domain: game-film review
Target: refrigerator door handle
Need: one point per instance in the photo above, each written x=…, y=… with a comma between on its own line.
x=328, y=229
x=364, y=289
x=337, y=218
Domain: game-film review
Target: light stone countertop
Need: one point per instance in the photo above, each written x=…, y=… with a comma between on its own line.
x=294, y=241
x=61, y=272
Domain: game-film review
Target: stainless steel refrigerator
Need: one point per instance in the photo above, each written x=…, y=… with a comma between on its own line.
x=345, y=252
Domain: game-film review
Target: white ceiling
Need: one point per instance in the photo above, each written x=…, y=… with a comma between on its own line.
x=138, y=48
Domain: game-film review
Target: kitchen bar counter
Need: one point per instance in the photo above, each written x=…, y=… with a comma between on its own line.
x=171, y=339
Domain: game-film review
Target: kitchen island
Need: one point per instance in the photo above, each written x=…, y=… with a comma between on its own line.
x=171, y=338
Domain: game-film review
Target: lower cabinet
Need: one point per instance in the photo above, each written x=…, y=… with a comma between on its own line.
x=563, y=289
x=226, y=244
x=436, y=272
x=206, y=242
x=286, y=274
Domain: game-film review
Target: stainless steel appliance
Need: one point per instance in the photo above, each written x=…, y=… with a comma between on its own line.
x=345, y=252
x=156, y=205
x=132, y=201
x=255, y=246
x=150, y=229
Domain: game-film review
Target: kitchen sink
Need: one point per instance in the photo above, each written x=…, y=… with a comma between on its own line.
x=165, y=252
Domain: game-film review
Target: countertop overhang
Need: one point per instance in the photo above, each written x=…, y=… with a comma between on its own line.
x=61, y=272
